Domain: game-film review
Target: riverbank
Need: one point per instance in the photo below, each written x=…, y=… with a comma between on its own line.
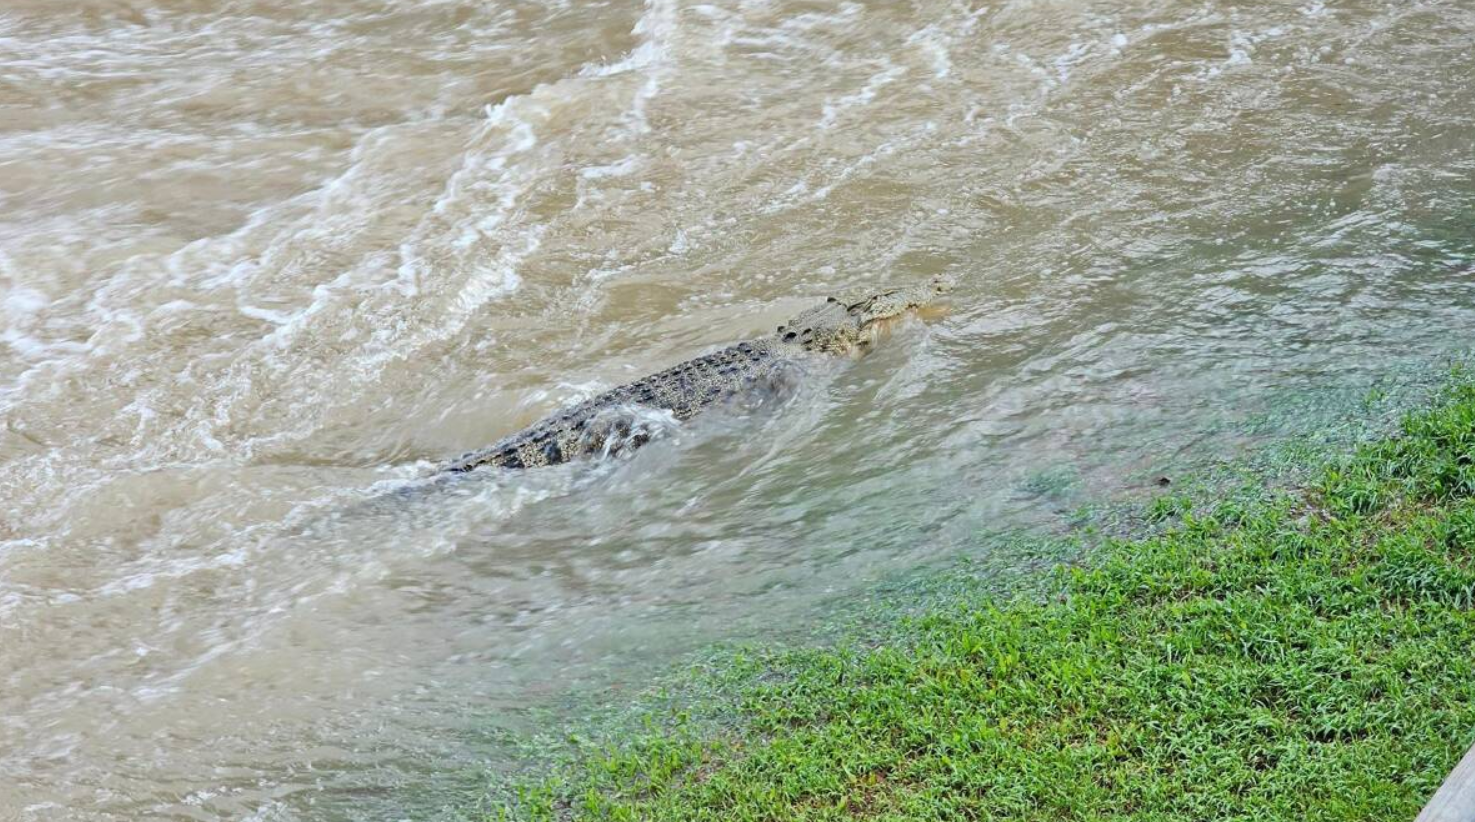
x=1273, y=654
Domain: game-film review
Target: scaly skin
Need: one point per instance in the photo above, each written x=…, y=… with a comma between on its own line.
x=835, y=327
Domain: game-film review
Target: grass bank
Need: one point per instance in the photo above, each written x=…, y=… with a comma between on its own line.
x=1290, y=654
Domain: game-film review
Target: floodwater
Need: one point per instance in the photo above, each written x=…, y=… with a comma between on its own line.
x=263, y=263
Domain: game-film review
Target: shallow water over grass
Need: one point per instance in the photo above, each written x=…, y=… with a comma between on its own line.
x=1267, y=655
x=264, y=262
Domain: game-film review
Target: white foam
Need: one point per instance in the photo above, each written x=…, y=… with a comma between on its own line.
x=936, y=46
x=1240, y=47
x=656, y=28
x=626, y=166
x=833, y=108
x=275, y=317
x=498, y=277
x=23, y=303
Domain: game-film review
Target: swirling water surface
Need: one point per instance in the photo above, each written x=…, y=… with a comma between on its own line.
x=262, y=261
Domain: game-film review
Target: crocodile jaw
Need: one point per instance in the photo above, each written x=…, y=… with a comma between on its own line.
x=895, y=301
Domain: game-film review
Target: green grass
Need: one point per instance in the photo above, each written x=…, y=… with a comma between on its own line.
x=1291, y=654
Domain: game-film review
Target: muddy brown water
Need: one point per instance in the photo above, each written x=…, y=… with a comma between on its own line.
x=263, y=262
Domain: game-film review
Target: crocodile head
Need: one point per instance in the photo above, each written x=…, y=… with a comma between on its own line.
x=841, y=325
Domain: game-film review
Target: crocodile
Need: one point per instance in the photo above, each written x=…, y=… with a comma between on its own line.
x=601, y=425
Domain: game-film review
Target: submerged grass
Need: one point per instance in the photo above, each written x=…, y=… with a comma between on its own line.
x=1288, y=654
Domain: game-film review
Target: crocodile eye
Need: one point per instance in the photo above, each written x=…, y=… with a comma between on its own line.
x=789, y=336
x=831, y=300
x=779, y=330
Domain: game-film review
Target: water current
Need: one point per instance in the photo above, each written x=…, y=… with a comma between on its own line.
x=263, y=261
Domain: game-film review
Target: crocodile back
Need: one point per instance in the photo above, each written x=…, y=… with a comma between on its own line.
x=596, y=424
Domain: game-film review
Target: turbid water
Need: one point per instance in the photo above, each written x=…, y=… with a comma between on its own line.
x=265, y=262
